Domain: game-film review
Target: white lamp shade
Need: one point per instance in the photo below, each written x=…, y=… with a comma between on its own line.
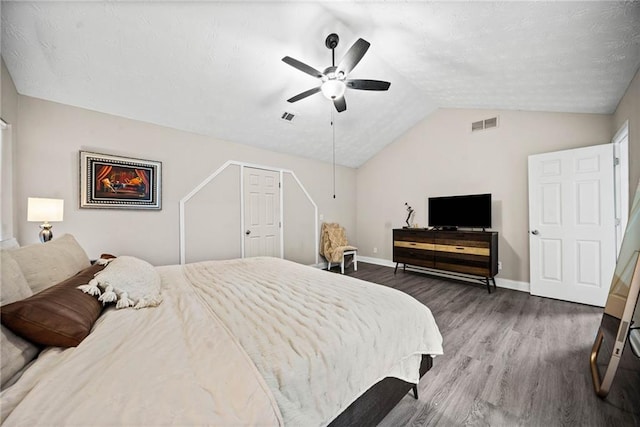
x=44, y=210
x=333, y=89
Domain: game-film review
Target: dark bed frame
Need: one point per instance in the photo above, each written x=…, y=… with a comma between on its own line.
x=370, y=408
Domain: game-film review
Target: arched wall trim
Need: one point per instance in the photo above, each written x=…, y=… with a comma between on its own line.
x=241, y=166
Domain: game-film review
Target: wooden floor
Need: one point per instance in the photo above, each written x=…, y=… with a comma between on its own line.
x=509, y=359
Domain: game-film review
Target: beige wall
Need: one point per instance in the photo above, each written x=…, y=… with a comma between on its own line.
x=440, y=156
x=221, y=238
x=9, y=113
x=629, y=109
x=51, y=135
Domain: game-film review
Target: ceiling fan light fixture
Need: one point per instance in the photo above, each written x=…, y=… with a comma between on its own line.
x=333, y=89
x=333, y=79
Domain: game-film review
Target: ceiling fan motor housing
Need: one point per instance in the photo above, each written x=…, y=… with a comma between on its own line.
x=332, y=41
x=330, y=74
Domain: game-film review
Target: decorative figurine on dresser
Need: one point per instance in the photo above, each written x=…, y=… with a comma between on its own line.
x=410, y=212
x=444, y=247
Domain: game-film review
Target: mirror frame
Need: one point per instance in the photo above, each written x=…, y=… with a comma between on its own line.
x=622, y=301
x=603, y=385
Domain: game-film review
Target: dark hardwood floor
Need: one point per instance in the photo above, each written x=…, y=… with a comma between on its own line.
x=510, y=359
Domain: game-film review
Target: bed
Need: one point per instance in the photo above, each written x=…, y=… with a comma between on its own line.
x=257, y=341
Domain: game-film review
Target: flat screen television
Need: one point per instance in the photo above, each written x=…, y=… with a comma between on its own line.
x=468, y=211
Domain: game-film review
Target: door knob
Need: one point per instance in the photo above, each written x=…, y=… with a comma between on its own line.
x=247, y=232
x=535, y=232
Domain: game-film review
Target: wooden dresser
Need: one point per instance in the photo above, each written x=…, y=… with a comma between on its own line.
x=469, y=253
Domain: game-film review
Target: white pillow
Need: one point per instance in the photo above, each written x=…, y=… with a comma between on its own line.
x=46, y=264
x=128, y=281
x=13, y=285
x=15, y=352
x=11, y=243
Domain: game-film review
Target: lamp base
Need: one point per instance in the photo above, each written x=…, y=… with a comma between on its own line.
x=46, y=234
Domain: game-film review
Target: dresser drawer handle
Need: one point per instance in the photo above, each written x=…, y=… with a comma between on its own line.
x=460, y=249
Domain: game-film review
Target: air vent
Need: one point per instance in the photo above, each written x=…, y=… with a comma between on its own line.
x=484, y=124
x=287, y=117
x=477, y=126
x=491, y=123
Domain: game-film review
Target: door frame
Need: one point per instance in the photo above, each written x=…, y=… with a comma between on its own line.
x=621, y=182
x=6, y=182
x=241, y=166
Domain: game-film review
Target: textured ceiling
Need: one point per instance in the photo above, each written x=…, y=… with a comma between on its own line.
x=215, y=68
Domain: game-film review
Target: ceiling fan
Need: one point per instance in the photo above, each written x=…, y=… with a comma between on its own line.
x=334, y=78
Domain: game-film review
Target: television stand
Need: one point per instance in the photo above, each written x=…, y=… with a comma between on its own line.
x=468, y=254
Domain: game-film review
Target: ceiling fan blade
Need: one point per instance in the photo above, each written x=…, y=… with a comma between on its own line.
x=353, y=56
x=368, y=84
x=304, y=94
x=340, y=104
x=302, y=67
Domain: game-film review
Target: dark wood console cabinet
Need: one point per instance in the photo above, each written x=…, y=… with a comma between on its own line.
x=472, y=253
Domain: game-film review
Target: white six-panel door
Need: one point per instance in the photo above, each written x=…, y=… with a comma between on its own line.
x=261, y=212
x=572, y=224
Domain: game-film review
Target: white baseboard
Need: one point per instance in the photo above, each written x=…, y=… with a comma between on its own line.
x=513, y=284
x=500, y=283
x=377, y=261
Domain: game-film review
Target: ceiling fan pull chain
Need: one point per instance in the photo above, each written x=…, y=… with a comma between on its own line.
x=333, y=128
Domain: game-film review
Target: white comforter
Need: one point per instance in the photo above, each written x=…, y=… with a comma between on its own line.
x=319, y=339
x=259, y=341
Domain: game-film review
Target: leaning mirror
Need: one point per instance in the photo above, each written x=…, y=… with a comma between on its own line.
x=617, y=344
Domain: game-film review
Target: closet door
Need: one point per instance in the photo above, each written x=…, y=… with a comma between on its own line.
x=261, y=212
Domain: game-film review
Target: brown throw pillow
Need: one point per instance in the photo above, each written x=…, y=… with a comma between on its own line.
x=60, y=316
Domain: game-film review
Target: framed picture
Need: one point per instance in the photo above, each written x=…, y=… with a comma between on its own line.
x=108, y=181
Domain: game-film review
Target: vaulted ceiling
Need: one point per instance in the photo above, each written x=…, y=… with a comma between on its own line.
x=215, y=68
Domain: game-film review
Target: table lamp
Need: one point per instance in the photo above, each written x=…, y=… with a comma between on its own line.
x=45, y=210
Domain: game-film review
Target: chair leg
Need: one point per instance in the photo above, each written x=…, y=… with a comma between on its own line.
x=328, y=265
x=342, y=265
x=355, y=261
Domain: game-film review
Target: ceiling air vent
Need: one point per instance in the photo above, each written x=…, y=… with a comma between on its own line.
x=287, y=117
x=484, y=124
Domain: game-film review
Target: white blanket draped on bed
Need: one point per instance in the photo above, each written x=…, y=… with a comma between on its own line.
x=173, y=364
x=259, y=341
x=337, y=335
